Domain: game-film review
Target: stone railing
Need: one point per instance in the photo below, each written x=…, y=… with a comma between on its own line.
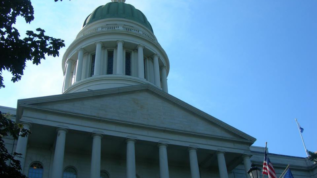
x=124, y=28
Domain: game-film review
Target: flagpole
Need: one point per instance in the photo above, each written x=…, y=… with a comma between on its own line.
x=283, y=173
x=264, y=151
x=300, y=133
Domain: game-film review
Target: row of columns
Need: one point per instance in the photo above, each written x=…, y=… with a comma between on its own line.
x=130, y=160
x=119, y=67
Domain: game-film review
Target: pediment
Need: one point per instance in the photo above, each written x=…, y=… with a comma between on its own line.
x=144, y=105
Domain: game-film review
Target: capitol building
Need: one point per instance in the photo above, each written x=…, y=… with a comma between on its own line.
x=116, y=119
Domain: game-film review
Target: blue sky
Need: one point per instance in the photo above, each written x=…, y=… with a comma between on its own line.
x=251, y=64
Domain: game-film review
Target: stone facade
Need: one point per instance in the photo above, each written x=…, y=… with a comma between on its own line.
x=116, y=119
x=148, y=116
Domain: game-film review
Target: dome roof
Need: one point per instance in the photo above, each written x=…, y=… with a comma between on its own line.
x=118, y=10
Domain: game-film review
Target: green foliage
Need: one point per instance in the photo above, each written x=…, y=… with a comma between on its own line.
x=14, y=52
x=9, y=166
x=312, y=156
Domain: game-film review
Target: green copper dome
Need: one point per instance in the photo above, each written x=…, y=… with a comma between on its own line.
x=118, y=10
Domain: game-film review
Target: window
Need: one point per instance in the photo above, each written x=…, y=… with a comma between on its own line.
x=104, y=174
x=92, y=68
x=128, y=63
x=36, y=170
x=70, y=172
x=110, y=63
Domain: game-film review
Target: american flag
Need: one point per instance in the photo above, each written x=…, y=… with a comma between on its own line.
x=268, y=168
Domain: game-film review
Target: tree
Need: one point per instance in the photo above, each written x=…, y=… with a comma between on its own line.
x=9, y=166
x=312, y=156
x=14, y=52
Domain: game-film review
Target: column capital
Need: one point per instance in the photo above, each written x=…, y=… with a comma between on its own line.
x=163, y=143
x=120, y=41
x=221, y=151
x=131, y=138
x=246, y=155
x=62, y=129
x=26, y=124
x=98, y=42
x=97, y=133
x=140, y=46
x=193, y=147
x=69, y=61
x=81, y=49
x=155, y=55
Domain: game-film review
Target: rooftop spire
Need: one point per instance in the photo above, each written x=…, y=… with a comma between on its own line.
x=118, y=0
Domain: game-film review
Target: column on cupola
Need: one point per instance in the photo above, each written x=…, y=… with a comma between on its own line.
x=58, y=159
x=157, y=76
x=149, y=70
x=164, y=173
x=247, y=164
x=68, y=75
x=79, y=67
x=22, y=146
x=84, y=73
x=120, y=60
x=164, y=79
x=194, y=169
x=131, y=158
x=105, y=61
x=89, y=72
x=222, y=165
x=134, y=63
x=95, y=156
x=140, y=62
x=98, y=56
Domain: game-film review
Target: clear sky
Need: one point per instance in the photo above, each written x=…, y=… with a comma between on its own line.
x=251, y=64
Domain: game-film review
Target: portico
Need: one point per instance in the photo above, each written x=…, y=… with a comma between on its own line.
x=163, y=159
x=91, y=144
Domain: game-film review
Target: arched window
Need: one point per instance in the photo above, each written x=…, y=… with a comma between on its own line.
x=70, y=172
x=104, y=174
x=36, y=170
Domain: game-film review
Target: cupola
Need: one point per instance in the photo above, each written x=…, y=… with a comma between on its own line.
x=116, y=47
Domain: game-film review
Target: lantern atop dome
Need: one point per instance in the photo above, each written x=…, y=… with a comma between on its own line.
x=117, y=0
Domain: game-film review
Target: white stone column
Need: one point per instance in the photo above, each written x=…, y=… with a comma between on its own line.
x=194, y=169
x=222, y=165
x=22, y=146
x=79, y=66
x=95, y=156
x=164, y=79
x=247, y=164
x=157, y=76
x=131, y=158
x=140, y=62
x=120, y=60
x=68, y=75
x=104, y=61
x=97, y=59
x=164, y=173
x=59, y=153
x=89, y=63
x=85, y=66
